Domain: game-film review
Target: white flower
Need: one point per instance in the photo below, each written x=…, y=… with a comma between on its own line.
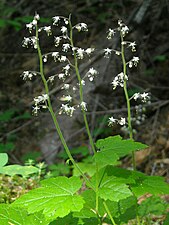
x=107, y=52
x=65, y=108
x=122, y=121
x=29, y=26
x=83, y=106
x=45, y=58
x=55, y=55
x=57, y=41
x=81, y=27
x=67, y=98
x=48, y=30
x=66, y=86
x=111, y=121
x=66, y=21
x=83, y=82
x=65, y=47
x=124, y=30
x=91, y=73
x=35, y=110
x=36, y=17
x=111, y=33
x=28, y=75
x=66, y=69
x=80, y=53
x=89, y=51
x=144, y=96
x=26, y=42
x=61, y=76
x=41, y=99
x=119, y=80
x=56, y=20
x=62, y=58
x=134, y=61
x=64, y=30
x=133, y=46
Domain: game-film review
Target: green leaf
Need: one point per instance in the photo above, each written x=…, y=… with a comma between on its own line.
x=66, y=220
x=19, y=216
x=9, y=146
x=160, y=58
x=57, y=197
x=7, y=115
x=20, y=170
x=166, y=221
x=152, y=205
x=87, y=168
x=112, y=148
x=150, y=184
x=3, y=159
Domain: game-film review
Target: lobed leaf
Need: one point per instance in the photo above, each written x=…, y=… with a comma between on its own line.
x=19, y=216
x=56, y=198
x=112, y=148
x=20, y=170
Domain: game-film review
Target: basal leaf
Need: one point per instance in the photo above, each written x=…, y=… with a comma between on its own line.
x=112, y=148
x=20, y=170
x=19, y=216
x=56, y=198
x=3, y=159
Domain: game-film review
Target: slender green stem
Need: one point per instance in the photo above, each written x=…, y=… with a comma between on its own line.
x=108, y=212
x=76, y=66
x=127, y=98
x=54, y=116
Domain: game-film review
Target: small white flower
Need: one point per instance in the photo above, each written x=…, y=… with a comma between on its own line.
x=56, y=20
x=45, y=58
x=65, y=108
x=122, y=121
x=66, y=86
x=119, y=80
x=65, y=47
x=61, y=76
x=133, y=46
x=36, y=17
x=26, y=42
x=30, y=27
x=83, y=106
x=81, y=27
x=35, y=110
x=111, y=33
x=80, y=53
x=62, y=58
x=107, y=52
x=91, y=73
x=28, y=75
x=124, y=30
x=66, y=21
x=111, y=121
x=89, y=51
x=67, y=98
x=57, y=41
x=48, y=30
x=55, y=55
x=83, y=82
x=66, y=69
x=64, y=30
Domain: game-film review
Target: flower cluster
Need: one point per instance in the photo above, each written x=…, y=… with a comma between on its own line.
x=40, y=102
x=68, y=110
x=112, y=121
x=119, y=80
x=144, y=97
x=28, y=75
x=30, y=41
x=91, y=74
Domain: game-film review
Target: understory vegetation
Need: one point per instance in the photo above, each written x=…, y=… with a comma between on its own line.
x=89, y=185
